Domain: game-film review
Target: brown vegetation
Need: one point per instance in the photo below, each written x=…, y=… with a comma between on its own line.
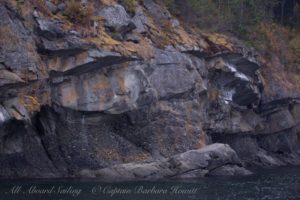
x=8, y=39
x=76, y=13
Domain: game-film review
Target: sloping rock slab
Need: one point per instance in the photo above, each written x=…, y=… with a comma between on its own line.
x=191, y=164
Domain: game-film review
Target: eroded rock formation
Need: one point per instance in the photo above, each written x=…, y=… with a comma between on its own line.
x=70, y=103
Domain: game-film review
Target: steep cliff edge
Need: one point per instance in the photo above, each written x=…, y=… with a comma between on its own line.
x=131, y=87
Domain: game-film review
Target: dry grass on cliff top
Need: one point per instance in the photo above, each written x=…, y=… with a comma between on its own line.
x=279, y=49
x=160, y=31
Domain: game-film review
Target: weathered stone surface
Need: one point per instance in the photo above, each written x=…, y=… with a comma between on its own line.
x=132, y=38
x=114, y=93
x=230, y=170
x=140, y=21
x=7, y=77
x=163, y=81
x=50, y=29
x=156, y=10
x=69, y=105
x=61, y=6
x=192, y=164
x=17, y=51
x=115, y=16
x=51, y=7
x=54, y=40
x=265, y=149
x=22, y=153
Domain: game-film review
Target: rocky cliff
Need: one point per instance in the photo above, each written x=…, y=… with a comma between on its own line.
x=135, y=87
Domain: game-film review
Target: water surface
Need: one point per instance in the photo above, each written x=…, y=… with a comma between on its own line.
x=275, y=184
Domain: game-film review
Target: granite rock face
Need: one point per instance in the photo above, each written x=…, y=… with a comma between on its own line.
x=69, y=107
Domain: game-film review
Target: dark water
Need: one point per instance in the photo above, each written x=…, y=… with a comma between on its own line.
x=276, y=184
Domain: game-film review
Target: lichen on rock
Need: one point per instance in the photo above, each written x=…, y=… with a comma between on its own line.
x=137, y=88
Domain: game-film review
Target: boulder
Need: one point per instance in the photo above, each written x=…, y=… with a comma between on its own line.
x=54, y=40
x=116, y=16
x=51, y=7
x=50, y=29
x=215, y=159
x=140, y=21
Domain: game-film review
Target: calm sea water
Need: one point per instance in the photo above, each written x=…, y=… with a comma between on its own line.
x=275, y=184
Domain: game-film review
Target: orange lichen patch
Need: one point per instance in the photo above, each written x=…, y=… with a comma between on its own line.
x=31, y=104
x=86, y=85
x=44, y=98
x=213, y=94
x=60, y=43
x=108, y=154
x=8, y=40
x=27, y=75
x=141, y=157
x=167, y=108
x=103, y=83
x=121, y=82
x=52, y=63
x=79, y=58
x=102, y=88
x=108, y=2
x=66, y=64
x=201, y=144
x=69, y=93
x=44, y=72
x=30, y=99
x=55, y=64
x=188, y=112
x=58, y=64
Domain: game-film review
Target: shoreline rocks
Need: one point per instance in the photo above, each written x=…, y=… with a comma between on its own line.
x=214, y=159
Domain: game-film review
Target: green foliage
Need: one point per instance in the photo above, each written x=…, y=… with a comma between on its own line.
x=224, y=15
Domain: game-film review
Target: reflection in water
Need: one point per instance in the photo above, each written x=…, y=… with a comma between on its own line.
x=276, y=184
